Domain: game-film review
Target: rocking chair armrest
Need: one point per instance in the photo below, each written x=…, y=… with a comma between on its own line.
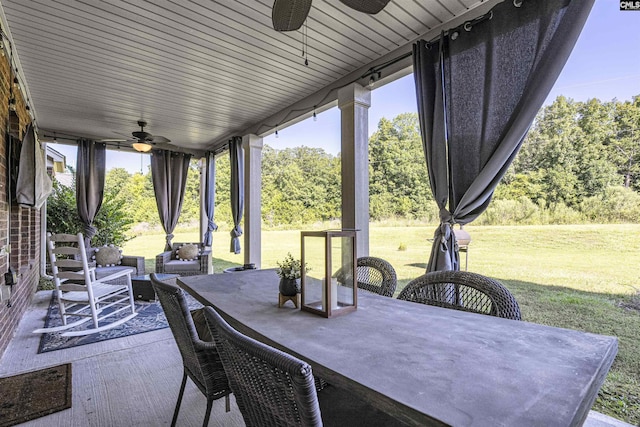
x=115, y=275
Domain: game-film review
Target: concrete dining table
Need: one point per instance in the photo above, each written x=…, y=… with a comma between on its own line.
x=424, y=365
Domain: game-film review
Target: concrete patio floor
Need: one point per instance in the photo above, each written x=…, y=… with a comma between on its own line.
x=130, y=381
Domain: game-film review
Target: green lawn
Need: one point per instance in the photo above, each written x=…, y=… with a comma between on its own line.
x=580, y=277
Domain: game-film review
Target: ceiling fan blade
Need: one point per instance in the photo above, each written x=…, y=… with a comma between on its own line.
x=114, y=140
x=142, y=135
x=158, y=138
x=366, y=6
x=289, y=15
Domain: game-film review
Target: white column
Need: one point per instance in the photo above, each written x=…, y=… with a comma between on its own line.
x=204, y=219
x=203, y=213
x=354, y=102
x=252, y=145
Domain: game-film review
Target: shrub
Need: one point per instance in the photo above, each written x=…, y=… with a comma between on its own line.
x=525, y=212
x=62, y=216
x=559, y=213
x=615, y=204
x=112, y=221
x=510, y=212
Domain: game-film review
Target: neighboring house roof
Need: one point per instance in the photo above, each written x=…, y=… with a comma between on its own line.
x=56, y=162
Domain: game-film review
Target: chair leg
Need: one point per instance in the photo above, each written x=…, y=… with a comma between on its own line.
x=62, y=308
x=175, y=412
x=208, y=414
x=131, y=299
x=94, y=313
x=227, y=403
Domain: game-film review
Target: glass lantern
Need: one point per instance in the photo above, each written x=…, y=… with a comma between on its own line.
x=328, y=287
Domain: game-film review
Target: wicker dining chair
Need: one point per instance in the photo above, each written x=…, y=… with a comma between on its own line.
x=273, y=388
x=376, y=275
x=200, y=359
x=462, y=290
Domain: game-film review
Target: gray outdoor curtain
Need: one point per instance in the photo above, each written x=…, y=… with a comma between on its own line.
x=169, y=176
x=90, y=172
x=33, y=185
x=478, y=92
x=237, y=190
x=209, y=197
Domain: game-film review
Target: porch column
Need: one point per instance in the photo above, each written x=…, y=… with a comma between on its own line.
x=252, y=145
x=203, y=212
x=354, y=102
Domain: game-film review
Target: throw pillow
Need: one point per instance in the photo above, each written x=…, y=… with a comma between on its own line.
x=188, y=252
x=108, y=256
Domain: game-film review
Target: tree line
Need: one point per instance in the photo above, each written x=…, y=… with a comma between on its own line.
x=580, y=162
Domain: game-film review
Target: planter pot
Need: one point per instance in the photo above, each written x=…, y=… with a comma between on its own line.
x=289, y=287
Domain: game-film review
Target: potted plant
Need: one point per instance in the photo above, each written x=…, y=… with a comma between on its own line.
x=289, y=271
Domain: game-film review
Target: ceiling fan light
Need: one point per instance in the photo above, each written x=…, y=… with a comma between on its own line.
x=142, y=147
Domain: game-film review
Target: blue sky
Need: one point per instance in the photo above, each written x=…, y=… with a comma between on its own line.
x=604, y=64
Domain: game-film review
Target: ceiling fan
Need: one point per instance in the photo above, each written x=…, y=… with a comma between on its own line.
x=289, y=15
x=143, y=141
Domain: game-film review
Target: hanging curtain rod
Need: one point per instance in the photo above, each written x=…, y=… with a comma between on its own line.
x=67, y=137
x=467, y=26
x=219, y=150
x=74, y=140
x=379, y=68
x=374, y=73
x=124, y=145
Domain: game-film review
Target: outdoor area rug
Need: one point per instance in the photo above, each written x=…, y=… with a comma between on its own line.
x=150, y=318
x=35, y=394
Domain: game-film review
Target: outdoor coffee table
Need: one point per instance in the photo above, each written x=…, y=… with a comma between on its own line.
x=142, y=289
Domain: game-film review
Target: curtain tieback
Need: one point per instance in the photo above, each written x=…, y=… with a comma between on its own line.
x=90, y=231
x=446, y=217
x=236, y=231
x=446, y=224
x=445, y=232
x=211, y=226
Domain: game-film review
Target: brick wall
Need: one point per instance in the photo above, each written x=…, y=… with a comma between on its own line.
x=19, y=226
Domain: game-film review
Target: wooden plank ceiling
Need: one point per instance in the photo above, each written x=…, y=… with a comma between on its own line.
x=197, y=71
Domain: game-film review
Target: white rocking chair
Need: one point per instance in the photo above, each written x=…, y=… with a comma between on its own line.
x=79, y=294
